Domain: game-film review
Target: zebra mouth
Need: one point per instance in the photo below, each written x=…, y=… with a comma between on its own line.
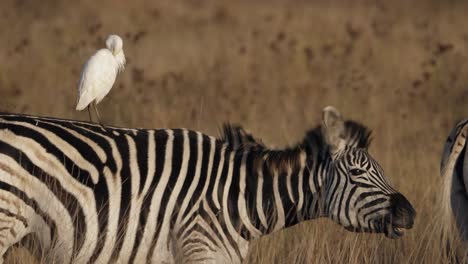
x=392, y=231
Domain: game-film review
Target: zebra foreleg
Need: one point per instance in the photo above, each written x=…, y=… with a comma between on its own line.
x=17, y=220
x=12, y=230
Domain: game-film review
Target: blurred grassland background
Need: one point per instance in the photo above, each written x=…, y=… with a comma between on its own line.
x=399, y=67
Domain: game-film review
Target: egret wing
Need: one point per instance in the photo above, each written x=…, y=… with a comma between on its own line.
x=84, y=94
x=97, y=78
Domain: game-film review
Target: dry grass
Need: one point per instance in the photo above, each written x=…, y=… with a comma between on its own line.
x=271, y=66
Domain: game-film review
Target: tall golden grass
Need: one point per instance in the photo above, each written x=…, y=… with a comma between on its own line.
x=399, y=67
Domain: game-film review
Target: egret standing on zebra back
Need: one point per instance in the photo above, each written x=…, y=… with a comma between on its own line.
x=99, y=74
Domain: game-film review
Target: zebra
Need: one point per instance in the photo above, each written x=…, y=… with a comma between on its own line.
x=97, y=195
x=237, y=137
x=454, y=170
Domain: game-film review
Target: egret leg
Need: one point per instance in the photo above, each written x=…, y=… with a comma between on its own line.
x=89, y=113
x=97, y=114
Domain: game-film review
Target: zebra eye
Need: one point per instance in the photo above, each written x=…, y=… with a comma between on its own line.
x=356, y=172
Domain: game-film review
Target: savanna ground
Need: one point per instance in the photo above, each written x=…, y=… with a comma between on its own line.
x=399, y=67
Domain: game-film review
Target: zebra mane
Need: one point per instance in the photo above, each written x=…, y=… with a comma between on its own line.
x=237, y=137
x=356, y=135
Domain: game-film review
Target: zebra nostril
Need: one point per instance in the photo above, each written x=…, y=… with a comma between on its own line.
x=402, y=211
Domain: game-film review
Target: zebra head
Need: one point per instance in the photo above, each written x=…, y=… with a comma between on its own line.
x=355, y=192
x=346, y=183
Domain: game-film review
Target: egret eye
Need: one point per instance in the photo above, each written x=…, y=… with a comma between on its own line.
x=356, y=172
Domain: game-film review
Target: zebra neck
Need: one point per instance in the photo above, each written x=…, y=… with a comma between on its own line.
x=287, y=190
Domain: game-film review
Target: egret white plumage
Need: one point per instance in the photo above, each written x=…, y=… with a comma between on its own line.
x=99, y=73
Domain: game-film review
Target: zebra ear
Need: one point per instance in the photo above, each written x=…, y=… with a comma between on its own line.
x=333, y=129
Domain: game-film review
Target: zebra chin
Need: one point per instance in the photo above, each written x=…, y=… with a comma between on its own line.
x=387, y=227
x=393, y=229
x=393, y=232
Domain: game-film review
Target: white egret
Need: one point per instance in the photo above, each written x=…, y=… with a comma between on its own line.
x=99, y=73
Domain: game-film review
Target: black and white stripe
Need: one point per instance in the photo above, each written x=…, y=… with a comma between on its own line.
x=454, y=170
x=150, y=196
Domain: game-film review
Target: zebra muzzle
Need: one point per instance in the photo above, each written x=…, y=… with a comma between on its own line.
x=401, y=217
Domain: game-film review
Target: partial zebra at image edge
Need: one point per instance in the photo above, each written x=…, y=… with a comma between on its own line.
x=453, y=202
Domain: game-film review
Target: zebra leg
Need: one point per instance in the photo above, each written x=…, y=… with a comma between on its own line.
x=165, y=249
x=200, y=242
x=11, y=231
x=17, y=220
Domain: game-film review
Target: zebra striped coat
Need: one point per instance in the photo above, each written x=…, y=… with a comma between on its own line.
x=95, y=195
x=454, y=170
